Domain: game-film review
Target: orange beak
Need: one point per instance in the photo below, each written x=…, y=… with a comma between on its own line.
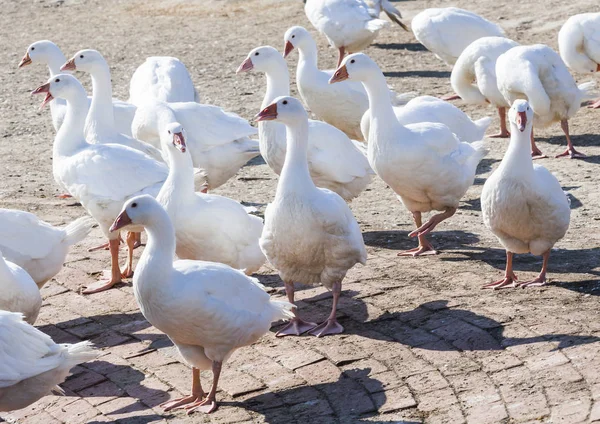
x=25, y=61
x=246, y=66
x=267, y=114
x=341, y=74
x=521, y=121
x=122, y=221
x=179, y=142
x=288, y=49
x=69, y=66
x=44, y=89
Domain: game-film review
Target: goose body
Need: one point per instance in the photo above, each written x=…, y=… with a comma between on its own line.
x=335, y=161
x=347, y=24
x=207, y=227
x=31, y=364
x=207, y=309
x=49, y=54
x=37, y=246
x=100, y=176
x=432, y=109
x=310, y=234
x=474, y=75
x=18, y=291
x=349, y=97
x=162, y=78
x=579, y=42
x=538, y=74
x=219, y=142
x=425, y=164
x=446, y=32
x=523, y=205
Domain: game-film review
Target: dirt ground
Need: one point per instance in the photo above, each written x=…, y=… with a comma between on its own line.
x=423, y=343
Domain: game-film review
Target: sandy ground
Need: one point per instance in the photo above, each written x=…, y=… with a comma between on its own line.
x=536, y=350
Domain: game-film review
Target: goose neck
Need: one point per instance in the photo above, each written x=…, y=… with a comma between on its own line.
x=55, y=60
x=278, y=83
x=101, y=116
x=308, y=58
x=382, y=116
x=179, y=185
x=295, y=173
x=517, y=159
x=70, y=137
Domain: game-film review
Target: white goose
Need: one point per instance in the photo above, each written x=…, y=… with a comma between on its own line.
x=219, y=141
x=37, y=246
x=378, y=6
x=523, y=204
x=474, y=76
x=100, y=122
x=207, y=309
x=579, y=44
x=18, y=291
x=310, y=234
x=426, y=165
x=31, y=364
x=162, y=78
x=350, y=97
x=538, y=74
x=335, y=161
x=446, y=32
x=207, y=227
x=100, y=176
x=48, y=53
x=347, y=24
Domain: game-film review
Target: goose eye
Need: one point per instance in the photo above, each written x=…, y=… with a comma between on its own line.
x=293, y=36
x=134, y=205
x=33, y=48
x=81, y=56
x=256, y=54
x=169, y=131
x=57, y=80
x=352, y=61
x=285, y=102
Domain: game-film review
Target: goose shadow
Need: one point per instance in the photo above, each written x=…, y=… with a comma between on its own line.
x=434, y=326
x=579, y=140
x=399, y=240
x=419, y=74
x=413, y=47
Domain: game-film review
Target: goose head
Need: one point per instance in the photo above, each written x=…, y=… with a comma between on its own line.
x=357, y=66
x=520, y=115
x=85, y=61
x=262, y=59
x=40, y=51
x=172, y=137
x=295, y=37
x=284, y=109
x=62, y=86
x=138, y=211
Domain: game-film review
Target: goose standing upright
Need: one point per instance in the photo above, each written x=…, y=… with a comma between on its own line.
x=538, y=74
x=207, y=227
x=207, y=309
x=425, y=164
x=579, y=44
x=48, y=53
x=347, y=24
x=36, y=246
x=335, y=161
x=523, y=204
x=219, y=141
x=474, y=76
x=162, y=78
x=31, y=364
x=446, y=32
x=310, y=234
x=18, y=291
x=100, y=176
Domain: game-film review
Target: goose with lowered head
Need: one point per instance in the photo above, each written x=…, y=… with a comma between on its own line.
x=335, y=161
x=425, y=164
x=207, y=309
x=446, y=32
x=523, y=204
x=31, y=364
x=100, y=176
x=49, y=54
x=538, y=74
x=18, y=291
x=219, y=142
x=579, y=44
x=310, y=234
x=347, y=24
x=474, y=80
x=207, y=227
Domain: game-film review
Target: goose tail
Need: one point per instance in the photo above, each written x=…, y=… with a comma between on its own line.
x=78, y=230
x=587, y=90
x=282, y=310
x=80, y=352
x=482, y=125
x=393, y=13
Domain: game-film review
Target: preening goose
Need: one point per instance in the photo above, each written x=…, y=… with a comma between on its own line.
x=425, y=164
x=310, y=234
x=523, y=204
x=207, y=309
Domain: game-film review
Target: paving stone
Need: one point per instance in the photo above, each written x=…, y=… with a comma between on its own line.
x=320, y=372
x=572, y=411
x=484, y=413
x=236, y=383
x=348, y=398
x=101, y=393
x=394, y=399
x=83, y=380
x=426, y=382
x=77, y=412
x=127, y=408
x=438, y=399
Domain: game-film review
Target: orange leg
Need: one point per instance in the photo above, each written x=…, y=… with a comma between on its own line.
x=209, y=403
x=540, y=280
x=504, y=133
x=510, y=279
x=571, y=152
x=424, y=247
x=341, y=54
x=197, y=394
x=115, y=272
x=296, y=326
x=451, y=97
x=131, y=239
x=535, y=152
x=330, y=326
